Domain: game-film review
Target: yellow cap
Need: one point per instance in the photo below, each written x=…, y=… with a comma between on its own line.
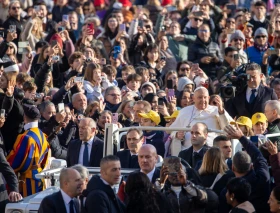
x=154, y=116
x=259, y=117
x=174, y=115
x=243, y=121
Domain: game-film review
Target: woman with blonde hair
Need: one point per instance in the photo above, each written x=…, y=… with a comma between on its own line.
x=33, y=32
x=126, y=113
x=245, y=124
x=214, y=172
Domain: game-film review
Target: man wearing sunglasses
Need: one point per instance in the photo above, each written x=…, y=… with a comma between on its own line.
x=14, y=19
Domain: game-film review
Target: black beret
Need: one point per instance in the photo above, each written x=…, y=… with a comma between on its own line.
x=31, y=112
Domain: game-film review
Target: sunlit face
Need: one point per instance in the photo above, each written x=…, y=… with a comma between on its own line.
x=146, y=122
x=112, y=23
x=134, y=85
x=230, y=23
x=80, y=102
x=113, y=97
x=147, y=159
x=145, y=90
x=260, y=128
x=15, y=9
x=164, y=43
x=184, y=70
x=134, y=141
x=104, y=119
x=175, y=29
x=238, y=43
x=201, y=99
x=3, y=82
x=128, y=109
x=138, y=108
x=270, y=113
x=85, y=131
x=120, y=17
x=97, y=75
x=229, y=56
x=89, y=53
x=76, y=63
x=273, y=203
x=123, y=45
x=204, y=33
x=260, y=11
x=248, y=31
x=226, y=148
x=124, y=75
x=73, y=185
x=46, y=52
x=261, y=40
x=174, y=79
x=111, y=172
x=49, y=112
x=198, y=136
x=277, y=89
x=255, y=78
x=153, y=55
x=196, y=22
x=186, y=99
x=30, y=94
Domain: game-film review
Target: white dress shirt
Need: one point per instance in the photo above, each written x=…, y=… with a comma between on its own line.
x=249, y=93
x=190, y=115
x=67, y=200
x=82, y=150
x=151, y=174
x=31, y=125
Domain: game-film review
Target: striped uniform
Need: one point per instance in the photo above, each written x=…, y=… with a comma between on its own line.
x=29, y=157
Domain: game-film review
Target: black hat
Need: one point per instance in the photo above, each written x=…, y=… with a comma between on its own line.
x=31, y=111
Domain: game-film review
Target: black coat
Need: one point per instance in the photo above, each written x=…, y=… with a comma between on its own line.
x=11, y=179
x=57, y=12
x=156, y=139
x=187, y=155
x=238, y=106
x=96, y=153
x=258, y=178
x=19, y=27
x=155, y=175
x=101, y=198
x=128, y=161
x=54, y=203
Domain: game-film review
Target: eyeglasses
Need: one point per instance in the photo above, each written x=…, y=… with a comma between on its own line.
x=261, y=36
x=148, y=26
x=86, y=9
x=14, y=8
x=232, y=22
x=10, y=47
x=238, y=39
x=115, y=94
x=197, y=19
x=184, y=69
x=204, y=31
x=277, y=22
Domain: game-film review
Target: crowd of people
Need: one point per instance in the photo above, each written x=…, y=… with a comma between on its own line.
x=69, y=67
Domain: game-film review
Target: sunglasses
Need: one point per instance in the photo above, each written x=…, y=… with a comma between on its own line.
x=232, y=22
x=238, y=39
x=14, y=8
x=86, y=9
x=148, y=26
x=277, y=22
x=184, y=69
x=262, y=36
x=197, y=19
x=204, y=31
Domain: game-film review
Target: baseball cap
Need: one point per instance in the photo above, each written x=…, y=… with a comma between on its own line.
x=243, y=121
x=259, y=117
x=154, y=116
x=174, y=115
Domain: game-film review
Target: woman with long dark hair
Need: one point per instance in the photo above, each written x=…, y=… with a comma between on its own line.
x=274, y=200
x=142, y=197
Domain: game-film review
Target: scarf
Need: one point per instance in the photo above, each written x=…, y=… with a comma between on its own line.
x=261, y=48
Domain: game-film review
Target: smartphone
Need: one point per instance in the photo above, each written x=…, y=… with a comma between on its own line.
x=90, y=28
x=262, y=139
x=65, y=18
x=2, y=34
x=55, y=58
x=117, y=50
x=115, y=118
x=122, y=27
x=78, y=79
x=12, y=28
x=273, y=52
x=37, y=8
x=195, y=66
x=140, y=23
x=255, y=140
x=23, y=44
x=60, y=29
x=162, y=58
x=2, y=113
x=103, y=78
x=169, y=84
x=103, y=61
x=236, y=57
x=171, y=92
x=38, y=96
x=198, y=13
x=174, y=165
x=161, y=101
x=53, y=43
x=60, y=107
x=231, y=7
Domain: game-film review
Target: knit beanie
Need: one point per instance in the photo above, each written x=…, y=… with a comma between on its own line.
x=237, y=34
x=260, y=31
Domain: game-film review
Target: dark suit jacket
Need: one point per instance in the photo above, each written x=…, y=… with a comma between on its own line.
x=127, y=161
x=95, y=155
x=238, y=106
x=187, y=155
x=155, y=175
x=54, y=203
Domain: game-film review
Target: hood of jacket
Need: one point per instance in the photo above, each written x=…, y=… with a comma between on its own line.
x=247, y=206
x=96, y=183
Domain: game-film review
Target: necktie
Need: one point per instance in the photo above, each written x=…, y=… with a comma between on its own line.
x=71, y=203
x=85, y=155
x=195, y=159
x=252, y=97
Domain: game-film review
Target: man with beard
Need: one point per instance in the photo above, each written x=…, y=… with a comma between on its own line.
x=215, y=117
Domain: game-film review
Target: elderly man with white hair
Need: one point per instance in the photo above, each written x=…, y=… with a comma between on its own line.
x=215, y=117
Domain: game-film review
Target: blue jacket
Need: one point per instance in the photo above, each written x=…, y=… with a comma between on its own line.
x=156, y=139
x=258, y=177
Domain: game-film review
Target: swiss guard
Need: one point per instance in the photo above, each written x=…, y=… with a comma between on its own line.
x=30, y=153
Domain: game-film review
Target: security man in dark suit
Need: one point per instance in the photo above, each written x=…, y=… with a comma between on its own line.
x=253, y=97
x=195, y=153
x=129, y=157
x=64, y=201
x=88, y=150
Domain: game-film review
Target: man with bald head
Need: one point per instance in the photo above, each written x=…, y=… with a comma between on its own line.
x=147, y=159
x=79, y=102
x=215, y=117
x=64, y=201
x=88, y=149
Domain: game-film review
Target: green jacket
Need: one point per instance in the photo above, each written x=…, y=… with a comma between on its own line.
x=273, y=128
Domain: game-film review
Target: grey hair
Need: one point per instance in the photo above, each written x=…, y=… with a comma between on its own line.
x=91, y=122
x=111, y=88
x=254, y=66
x=75, y=95
x=82, y=170
x=274, y=104
x=44, y=105
x=201, y=88
x=241, y=162
x=139, y=131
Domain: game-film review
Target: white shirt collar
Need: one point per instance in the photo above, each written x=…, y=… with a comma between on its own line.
x=150, y=174
x=261, y=20
x=90, y=141
x=65, y=197
x=197, y=150
x=105, y=182
x=31, y=125
x=133, y=154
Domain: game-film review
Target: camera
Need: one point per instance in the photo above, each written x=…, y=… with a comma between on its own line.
x=55, y=58
x=88, y=60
